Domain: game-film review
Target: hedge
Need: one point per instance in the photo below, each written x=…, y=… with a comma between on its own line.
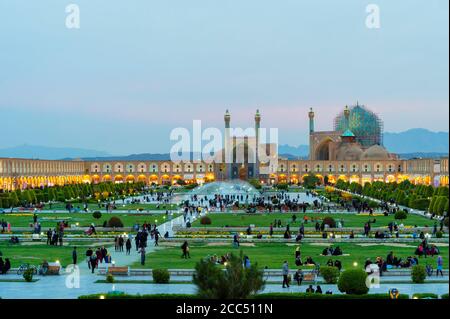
x=279, y=295
x=420, y=203
x=300, y=295
x=425, y=296
x=138, y=296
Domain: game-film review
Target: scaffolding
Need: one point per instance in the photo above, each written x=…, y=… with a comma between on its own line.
x=365, y=124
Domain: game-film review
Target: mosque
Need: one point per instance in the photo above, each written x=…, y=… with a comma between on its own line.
x=353, y=151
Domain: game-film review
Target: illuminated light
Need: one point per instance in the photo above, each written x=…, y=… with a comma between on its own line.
x=102, y=297
x=57, y=262
x=355, y=264
x=225, y=264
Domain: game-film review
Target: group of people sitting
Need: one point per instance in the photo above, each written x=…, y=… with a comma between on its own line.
x=424, y=249
x=336, y=263
x=394, y=261
x=4, y=265
x=332, y=251
x=14, y=240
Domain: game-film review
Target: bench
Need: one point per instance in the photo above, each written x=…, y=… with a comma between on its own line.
x=309, y=277
x=53, y=269
x=120, y=271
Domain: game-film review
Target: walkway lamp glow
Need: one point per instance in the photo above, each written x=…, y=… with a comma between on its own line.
x=355, y=264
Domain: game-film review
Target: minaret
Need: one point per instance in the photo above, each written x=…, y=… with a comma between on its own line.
x=311, y=120
x=311, y=131
x=227, y=157
x=257, y=127
x=347, y=118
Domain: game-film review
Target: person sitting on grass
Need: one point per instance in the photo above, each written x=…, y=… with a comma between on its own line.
x=337, y=251
x=330, y=263
x=338, y=264
x=310, y=261
x=318, y=290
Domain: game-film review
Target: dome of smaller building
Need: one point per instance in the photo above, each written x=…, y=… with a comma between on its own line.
x=376, y=152
x=349, y=152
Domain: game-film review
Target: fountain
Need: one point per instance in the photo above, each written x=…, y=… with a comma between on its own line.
x=233, y=187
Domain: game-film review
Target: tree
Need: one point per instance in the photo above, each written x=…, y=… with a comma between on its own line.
x=353, y=282
x=236, y=282
x=310, y=181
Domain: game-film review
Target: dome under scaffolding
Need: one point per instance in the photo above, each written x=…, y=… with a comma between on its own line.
x=365, y=124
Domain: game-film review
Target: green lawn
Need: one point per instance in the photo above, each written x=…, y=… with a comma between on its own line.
x=83, y=219
x=264, y=220
x=273, y=255
x=35, y=253
x=120, y=206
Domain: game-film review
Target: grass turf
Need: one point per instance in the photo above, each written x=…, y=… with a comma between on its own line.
x=84, y=219
x=120, y=206
x=264, y=220
x=35, y=253
x=272, y=255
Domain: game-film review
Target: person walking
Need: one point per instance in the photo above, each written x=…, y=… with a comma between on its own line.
x=74, y=255
x=185, y=250
x=439, y=266
x=93, y=261
x=142, y=252
x=156, y=237
x=285, y=271
x=128, y=246
x=89, y=253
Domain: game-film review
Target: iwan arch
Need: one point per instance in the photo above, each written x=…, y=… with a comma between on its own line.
x=353, y=151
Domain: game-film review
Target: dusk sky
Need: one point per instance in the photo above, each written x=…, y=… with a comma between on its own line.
x=137, y=69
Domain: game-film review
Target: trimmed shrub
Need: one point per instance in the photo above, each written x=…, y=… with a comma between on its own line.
x=97, y=215
x=353, y=282
x=110, y=279
x=446, y=221
x=444, y=296
x=330, y=274
x=115, y=222
x=28, y=275
x=161, y=276
x=205, y=220
x=439, y=234
x=329, y=221
x=418, y=274
x=401, y=214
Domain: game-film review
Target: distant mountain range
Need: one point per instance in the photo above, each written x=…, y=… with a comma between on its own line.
x=416, y=140
x=50, y=153
x=409, y=144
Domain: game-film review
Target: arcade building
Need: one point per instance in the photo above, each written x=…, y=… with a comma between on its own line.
x=352, y=151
